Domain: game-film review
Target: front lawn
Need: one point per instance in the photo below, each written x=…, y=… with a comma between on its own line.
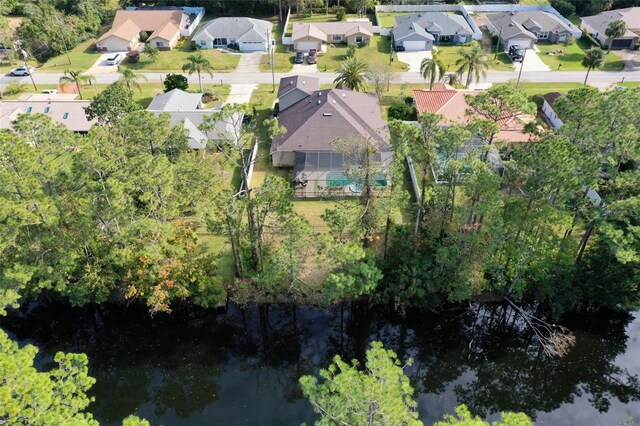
x=283, y=59
x=450, y=55
x=173, y=60
x=83, y=56
x=544, y=88
x=376, y=53
x=569, y=58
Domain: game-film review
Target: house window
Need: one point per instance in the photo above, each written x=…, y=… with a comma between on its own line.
x=336, y=37
x=543, y=36
x=46, y=110
x=219, y=41
x=160, y=43
x=65, y=116
x=359, y=39
x=29, y=109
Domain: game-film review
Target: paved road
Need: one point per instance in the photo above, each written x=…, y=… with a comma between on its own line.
x=600, y=78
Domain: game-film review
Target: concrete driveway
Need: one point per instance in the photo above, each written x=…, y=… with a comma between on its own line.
x=249, y=62
x=101, y=67
x=305, y=68
x=240, y=93
x=631, y=58
x=413, y=59
x=532, y=62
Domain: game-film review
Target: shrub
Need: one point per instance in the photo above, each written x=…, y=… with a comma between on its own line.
x=351, y=51
x=364, y=43
x=193, y=45
x=340, y=13
x=14, y=88
x=399, y=110
x=133, y=56
x=537, y=99
x=144, y=36
x=175, y=81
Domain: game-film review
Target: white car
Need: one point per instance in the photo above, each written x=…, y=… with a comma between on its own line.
x=21, y=71
x=114, y=60
x=50, y=91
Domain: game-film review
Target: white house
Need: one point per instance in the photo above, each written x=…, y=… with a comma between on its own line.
x=548, y=104
x=246, y=34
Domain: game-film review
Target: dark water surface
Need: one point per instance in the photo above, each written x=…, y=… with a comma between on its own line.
x=197, y=367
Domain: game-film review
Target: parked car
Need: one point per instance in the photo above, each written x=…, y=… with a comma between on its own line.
x=299, y=59
x=21, y=71
x=398, y=48
x=114, y=60
x=50, y=91
x=515, y=53
x=312, y=57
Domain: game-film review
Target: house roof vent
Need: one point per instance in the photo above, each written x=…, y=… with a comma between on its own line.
x=319, y=94
x=319, y=101
x=326, y=114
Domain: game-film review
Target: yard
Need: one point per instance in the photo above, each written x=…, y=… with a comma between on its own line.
x=283, y=59
x=544, y=88
x=450, y=54
x=388, y=19
x=173, y=60
x=376, y=53
x=571, y=57
x=322, y=18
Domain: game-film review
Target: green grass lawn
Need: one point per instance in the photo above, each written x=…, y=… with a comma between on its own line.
x=388, y=19
x=83, y=56
x=543, y=88
x=450, y=54
x=321, y=17
x=376, y=53
x=283, y=59
x=571, y=58
x=173, y=60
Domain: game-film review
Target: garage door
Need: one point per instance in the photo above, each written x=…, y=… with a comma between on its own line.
x=304, y=46
x=412, y=46
x=523, y=43
x=622, y=43
x=252, y=46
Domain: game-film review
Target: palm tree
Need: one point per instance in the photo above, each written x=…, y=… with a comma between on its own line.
x=198, y=64
x=474, y=62
x=131, y=78
x=593, y=58
x=77, y=78
x=352, y=74
x=452, y=79
x=615, y=29
x=432, y=68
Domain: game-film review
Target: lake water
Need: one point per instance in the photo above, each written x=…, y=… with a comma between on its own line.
x=199, y=367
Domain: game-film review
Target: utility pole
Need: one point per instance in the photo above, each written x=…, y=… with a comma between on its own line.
x=498, y=45
x=524, y=55
x=24, y=58
x=271, y=54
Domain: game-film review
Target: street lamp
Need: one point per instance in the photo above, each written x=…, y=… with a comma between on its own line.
x=26, y=66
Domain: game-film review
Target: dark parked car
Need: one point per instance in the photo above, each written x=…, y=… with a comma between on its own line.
x=312, y=57
x=515, y=53
x=299, y=59
x=398, y=48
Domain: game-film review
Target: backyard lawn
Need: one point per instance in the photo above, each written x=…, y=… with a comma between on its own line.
x=173, y=60
x=377, y=52
x=388, y=19
x=321, y=17
x=571, y=57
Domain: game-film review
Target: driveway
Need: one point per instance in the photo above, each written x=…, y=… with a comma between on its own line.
x=305, y=68
x=240, y=93
x=631, y=59
x=101, y=67
x=249, y=62
x=532, y=62
x=413, y=59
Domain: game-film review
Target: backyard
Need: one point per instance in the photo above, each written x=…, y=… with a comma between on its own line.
x=323, y=18
x=569, y=58
x=377, y=52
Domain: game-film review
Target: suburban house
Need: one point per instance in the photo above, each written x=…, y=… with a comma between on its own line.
x=61, y=108
x=313, y=123
x=307, y=36
x=452, y=105
x=162, y=26
x=524, y=28
x=186, y=109
x=597, y=25
x=420, y=31
x=247, y=34
x=548, y=110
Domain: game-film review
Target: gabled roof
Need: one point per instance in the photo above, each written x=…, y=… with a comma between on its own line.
x=300, y=82
x=321, y=30
x=431, y=22
x=242, y=29
x=551, y=97
x=631, y=16
x=523, y=22
x=69, y=113
x=175, y=100
x=325, y=115
x=452, y=105
x=128, y=23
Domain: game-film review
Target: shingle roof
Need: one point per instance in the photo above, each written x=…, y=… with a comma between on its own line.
x=69, y=113
x=175, y=100
x=321, y=30
x=551, y=98
x=431, y=22
x=305, y=83
x=242, y=29
x=520, y=23
x=452, y=105
x=631, y=16
x=314, y=122
x=128, y=23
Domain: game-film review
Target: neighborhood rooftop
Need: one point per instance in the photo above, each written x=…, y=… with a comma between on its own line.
x=525, y=23
x=127, y=24
x=304, y=83
x=431, y=22
x=69, y=113
x=238, y=29
x=631, y=16
x=176, y=100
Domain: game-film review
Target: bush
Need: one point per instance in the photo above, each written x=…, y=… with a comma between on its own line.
x=144, y=36
x=193, y=46
x=133, y=56
x=340, y=13
x=537, y=99
x=175, y=81
x=363, y=44
x=351, y=51
x=565, y=8
x=399, y=110
x=14, y=88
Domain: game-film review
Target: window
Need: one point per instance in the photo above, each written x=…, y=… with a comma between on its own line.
x=29, y=109
x=336, y=37
x=219, y=41
x=160, y=43
x=46, y=110
x=359, y=39
x=65, y=116
x=543, y=36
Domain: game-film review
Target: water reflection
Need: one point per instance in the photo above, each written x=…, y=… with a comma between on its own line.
x=241, y=367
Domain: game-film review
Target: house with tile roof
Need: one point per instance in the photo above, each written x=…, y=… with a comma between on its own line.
x=186, y=109
x=524, y=28
x=62, y=109
x=248, y=34
x=596, y=26
x=312, y=125
x=162, y=26
x=315, y=35
x=420, y=31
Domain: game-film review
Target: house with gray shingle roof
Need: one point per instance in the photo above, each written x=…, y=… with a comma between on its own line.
x=524, y=28
x=420, y=31
x=247, y=34
x=597, y=26
x=294, y=88
x=186, y=109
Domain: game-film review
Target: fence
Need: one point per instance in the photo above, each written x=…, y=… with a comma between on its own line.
x=414, y=180
x=199, y=12
x=286, y=41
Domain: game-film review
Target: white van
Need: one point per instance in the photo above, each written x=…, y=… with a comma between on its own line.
x=114, y=60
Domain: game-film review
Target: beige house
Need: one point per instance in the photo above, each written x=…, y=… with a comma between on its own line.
x=163, y=27
x=308, y=36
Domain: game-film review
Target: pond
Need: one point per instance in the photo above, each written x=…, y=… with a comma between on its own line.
x=241, y=367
